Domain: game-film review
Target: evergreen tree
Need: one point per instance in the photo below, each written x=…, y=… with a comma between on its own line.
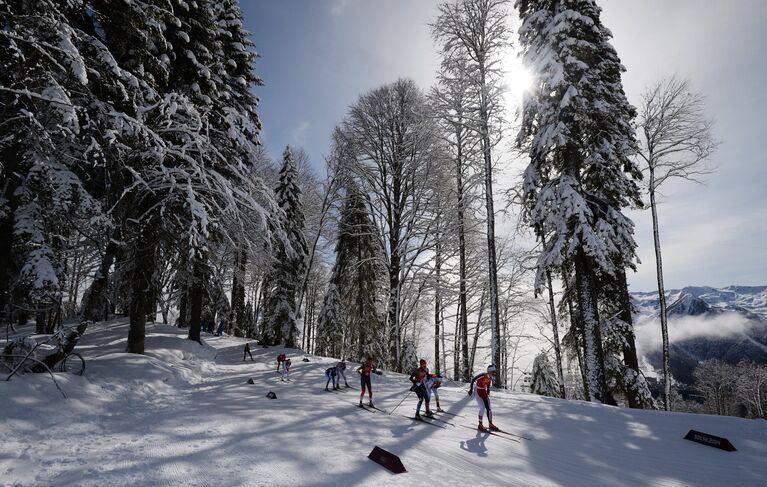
x=355, y=322
x=621, y=361
x=288, y=266
x=543, y=379
x=576, y=126
x=141, y=129
x=331, y=322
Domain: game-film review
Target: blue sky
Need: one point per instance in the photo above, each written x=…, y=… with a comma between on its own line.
x=318, y=56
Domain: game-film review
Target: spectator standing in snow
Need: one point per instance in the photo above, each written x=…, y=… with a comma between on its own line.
x=364, y=370
x=419, y=379
x=286, y=370
x=247, y=352
x=341, y=371
x=331, y=374
x=481, y=393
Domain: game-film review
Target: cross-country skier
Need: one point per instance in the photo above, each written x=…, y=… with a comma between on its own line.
x=247, y=352
x=481, y=392
x=364, y=370
x=331, y=374
x=432, y=386
x=286, y=370
x=280, y=361
x=419, y=377
x=341, y=371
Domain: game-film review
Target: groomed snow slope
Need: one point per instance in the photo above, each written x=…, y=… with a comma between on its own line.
x=183, y=415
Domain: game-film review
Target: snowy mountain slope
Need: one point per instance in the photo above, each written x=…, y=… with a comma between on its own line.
x=184, y=415
x=728, y=324
x=746, y=299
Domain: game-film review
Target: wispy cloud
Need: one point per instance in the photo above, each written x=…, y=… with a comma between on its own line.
x=298, y=136
x=338, y=7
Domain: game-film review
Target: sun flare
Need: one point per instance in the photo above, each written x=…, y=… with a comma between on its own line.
x=518, y=77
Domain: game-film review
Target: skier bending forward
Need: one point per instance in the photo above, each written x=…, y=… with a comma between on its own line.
x=482, y=396
x=341, y=371
x=364, y=370
x=331, y=375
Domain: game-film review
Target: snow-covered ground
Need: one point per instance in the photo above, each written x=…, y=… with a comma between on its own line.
x=184, y=415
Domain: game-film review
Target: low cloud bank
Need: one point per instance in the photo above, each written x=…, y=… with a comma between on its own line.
x=648, y=332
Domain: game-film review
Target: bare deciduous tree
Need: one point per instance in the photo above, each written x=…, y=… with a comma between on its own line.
x=473, y=36
x=676, y=142
x=392, y=146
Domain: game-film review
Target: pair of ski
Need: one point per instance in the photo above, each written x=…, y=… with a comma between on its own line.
x=428, y=420
x=500, y=434
x=370, y=408
x=374, y=409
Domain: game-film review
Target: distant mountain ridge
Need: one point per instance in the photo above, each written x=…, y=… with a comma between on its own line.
x=704, y=302
x=694, y=300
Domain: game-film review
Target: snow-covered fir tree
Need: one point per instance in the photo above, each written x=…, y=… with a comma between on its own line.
x=290, y=260
x=577, y=129
x=149, y=131
x=56, y=90
x=331, y=321
x=354, y=326
x=623, y=376
x=543, y=378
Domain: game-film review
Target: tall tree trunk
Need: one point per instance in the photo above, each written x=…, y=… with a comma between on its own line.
x=476, y=331
x=394, y=322
x=629, y=349
x=661, y=295
x=143, y=270
x=462, y=293
x=305, y=332
x=196, y=296
x=41, y=323
x=555, y=332
x=442, y=339
x=577, y=325
x=457, y=346
x=495, y=326
x=437, y=303
x=95, y=304
x=238, y=292
x=592, y=337
x=259, y=306
x=235, y=291
x=10, y=155
x=183, y=309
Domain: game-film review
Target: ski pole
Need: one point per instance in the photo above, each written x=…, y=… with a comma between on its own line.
x=403, y=400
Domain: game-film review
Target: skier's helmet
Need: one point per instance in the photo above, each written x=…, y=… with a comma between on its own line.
x=422, y=362
x=491, y=369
